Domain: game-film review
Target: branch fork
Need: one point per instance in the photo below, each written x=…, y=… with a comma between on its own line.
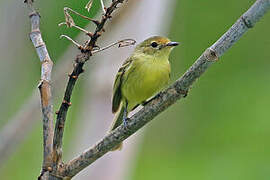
x=52, y=139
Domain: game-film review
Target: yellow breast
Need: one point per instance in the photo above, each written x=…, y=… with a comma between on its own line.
x=144, y=79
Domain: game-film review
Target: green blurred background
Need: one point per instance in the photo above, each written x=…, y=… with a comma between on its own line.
x=220, y=131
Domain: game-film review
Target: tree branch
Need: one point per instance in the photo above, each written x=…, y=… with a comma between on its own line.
x=175, y=92
x=78, y=69
x=44, y=86
x=52, y=161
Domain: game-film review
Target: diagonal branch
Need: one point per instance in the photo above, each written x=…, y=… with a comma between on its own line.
x=78, y=69
x=44, y=86
x=175, y=92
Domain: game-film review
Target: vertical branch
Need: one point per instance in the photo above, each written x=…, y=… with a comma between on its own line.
x=78, y=69
x=44, y=87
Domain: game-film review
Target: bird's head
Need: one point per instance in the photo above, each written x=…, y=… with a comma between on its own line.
x=157, y=46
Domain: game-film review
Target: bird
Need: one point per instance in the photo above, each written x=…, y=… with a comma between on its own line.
x=141, y=76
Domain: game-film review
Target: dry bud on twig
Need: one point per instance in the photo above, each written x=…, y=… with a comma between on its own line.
x=88, y=5
x=121, y=43
x=69, y=21
x=102, y=6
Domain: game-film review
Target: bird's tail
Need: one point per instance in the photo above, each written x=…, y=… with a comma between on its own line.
x=117, y=121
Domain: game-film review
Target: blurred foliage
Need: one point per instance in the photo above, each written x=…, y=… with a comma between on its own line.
x=221, y=129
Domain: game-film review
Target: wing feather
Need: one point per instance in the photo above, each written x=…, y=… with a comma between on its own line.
x=117, y=94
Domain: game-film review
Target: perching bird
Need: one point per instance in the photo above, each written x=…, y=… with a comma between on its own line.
x=141, y=76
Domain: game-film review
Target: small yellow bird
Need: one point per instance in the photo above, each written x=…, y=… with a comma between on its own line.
x=141, y=76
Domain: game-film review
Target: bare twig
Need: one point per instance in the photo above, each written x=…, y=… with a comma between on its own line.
x=88, y=5
x=70, y=39
x=103, y=7
x=78, y=69
x=44, y=87
x=175, y=92
x=121, y=43
x=66, y=9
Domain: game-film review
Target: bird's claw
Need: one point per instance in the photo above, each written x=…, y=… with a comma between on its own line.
x=125, y=122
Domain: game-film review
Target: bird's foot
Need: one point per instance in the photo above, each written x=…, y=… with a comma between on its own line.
x=125, y=121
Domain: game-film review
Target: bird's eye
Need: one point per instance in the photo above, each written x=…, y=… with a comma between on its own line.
x=154, y=44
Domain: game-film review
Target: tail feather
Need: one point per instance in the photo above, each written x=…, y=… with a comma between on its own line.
x=117, y=121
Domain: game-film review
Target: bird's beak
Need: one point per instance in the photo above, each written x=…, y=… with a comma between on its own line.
x=172, y=44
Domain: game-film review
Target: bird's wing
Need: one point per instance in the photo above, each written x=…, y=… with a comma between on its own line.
x=117, y=95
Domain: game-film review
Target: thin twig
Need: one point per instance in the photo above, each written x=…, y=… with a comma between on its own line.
x=121, y=43
x=78, y=69
x=175, y=92
x=44, y=87
x=89, y=5
x=103, y=7
x=84, y=17
x=73, y=41
x=68, y=24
